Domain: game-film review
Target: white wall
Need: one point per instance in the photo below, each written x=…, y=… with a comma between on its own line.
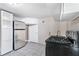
x=74, y=25
x=46, y=29
x=69, y=25
x=63, y=28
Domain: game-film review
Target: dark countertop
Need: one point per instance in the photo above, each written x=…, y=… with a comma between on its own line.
x=58, y=40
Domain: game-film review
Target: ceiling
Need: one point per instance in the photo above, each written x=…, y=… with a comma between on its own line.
x=33, y=9
x=70, y=10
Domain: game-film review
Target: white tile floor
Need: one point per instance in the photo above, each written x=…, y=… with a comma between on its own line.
x=31, y=49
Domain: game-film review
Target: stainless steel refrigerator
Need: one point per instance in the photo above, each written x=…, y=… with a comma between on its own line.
x=20, y=34
x=74, y=35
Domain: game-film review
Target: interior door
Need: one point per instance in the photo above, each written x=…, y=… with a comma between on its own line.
x=6, y=32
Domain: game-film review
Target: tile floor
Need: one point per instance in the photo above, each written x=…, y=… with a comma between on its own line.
x=31, y=49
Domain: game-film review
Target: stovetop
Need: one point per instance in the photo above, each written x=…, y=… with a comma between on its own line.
x=58, y=39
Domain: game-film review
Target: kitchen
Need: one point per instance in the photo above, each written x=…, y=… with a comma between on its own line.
x=22, y=23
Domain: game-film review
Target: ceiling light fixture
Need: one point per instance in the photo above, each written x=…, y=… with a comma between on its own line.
x=15, y=4
x=12, y=3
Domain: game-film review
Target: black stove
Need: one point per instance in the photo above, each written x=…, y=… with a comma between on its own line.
x=60, y=46
x=58, y=40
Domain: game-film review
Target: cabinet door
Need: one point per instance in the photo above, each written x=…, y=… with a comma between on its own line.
x=6, y=32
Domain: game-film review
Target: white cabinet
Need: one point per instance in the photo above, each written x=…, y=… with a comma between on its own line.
x=6, y=32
